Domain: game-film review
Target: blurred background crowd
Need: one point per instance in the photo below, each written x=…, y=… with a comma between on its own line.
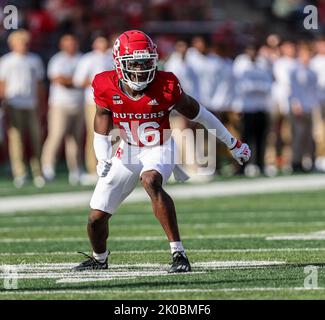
x=252, y=63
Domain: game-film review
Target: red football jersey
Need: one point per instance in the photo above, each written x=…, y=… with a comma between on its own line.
x=141, y=121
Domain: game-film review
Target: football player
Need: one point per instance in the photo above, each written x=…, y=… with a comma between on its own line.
x=138, y=99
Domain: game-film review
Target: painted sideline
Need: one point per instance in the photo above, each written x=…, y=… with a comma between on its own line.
x=184, y=191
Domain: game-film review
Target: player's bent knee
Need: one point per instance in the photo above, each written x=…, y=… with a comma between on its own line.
x=97, y=217
x=151, y=180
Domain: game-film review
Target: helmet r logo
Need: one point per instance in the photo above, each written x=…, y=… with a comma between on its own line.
x=116, y=47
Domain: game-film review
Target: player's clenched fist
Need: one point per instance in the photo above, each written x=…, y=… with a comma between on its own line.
x=241, y=152
x=103, y=167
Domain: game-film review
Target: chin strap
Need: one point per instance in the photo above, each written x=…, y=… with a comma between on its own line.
x=122, y=84
x=135, y=87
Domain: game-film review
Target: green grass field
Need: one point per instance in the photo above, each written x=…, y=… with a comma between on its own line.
x=228, y=240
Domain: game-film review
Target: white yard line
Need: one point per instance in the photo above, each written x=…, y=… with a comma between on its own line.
x=67, y=277
x=135, y=238
x=297, y=237
x=194, y=290
x=220, y=225
x=63, y=274
x=144, y=266
x=300, y=236
x=257, y=250
x=320, y=235
x=187, y=191
x=77, y=217
x=253, y=250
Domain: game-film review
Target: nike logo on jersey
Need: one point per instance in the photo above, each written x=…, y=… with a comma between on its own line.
x=153, y=102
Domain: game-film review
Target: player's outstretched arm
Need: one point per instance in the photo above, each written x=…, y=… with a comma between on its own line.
x=191, y=109
x=103, y=124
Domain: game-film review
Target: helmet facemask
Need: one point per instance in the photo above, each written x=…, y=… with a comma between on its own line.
x=138, y=69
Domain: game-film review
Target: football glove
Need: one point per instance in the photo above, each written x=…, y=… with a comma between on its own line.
x=103, y=167
x=241, y=152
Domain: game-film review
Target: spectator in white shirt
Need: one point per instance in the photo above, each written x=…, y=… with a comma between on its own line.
x=317, y=64
x=21, y=87
x=282, y=68
x=214, y=75
x=223, y=87
x=222, y=99
x=91, y=63
x=303, y=100
x=253, y=82
x=208, y=68
x=65, y=117
x=178, y=64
